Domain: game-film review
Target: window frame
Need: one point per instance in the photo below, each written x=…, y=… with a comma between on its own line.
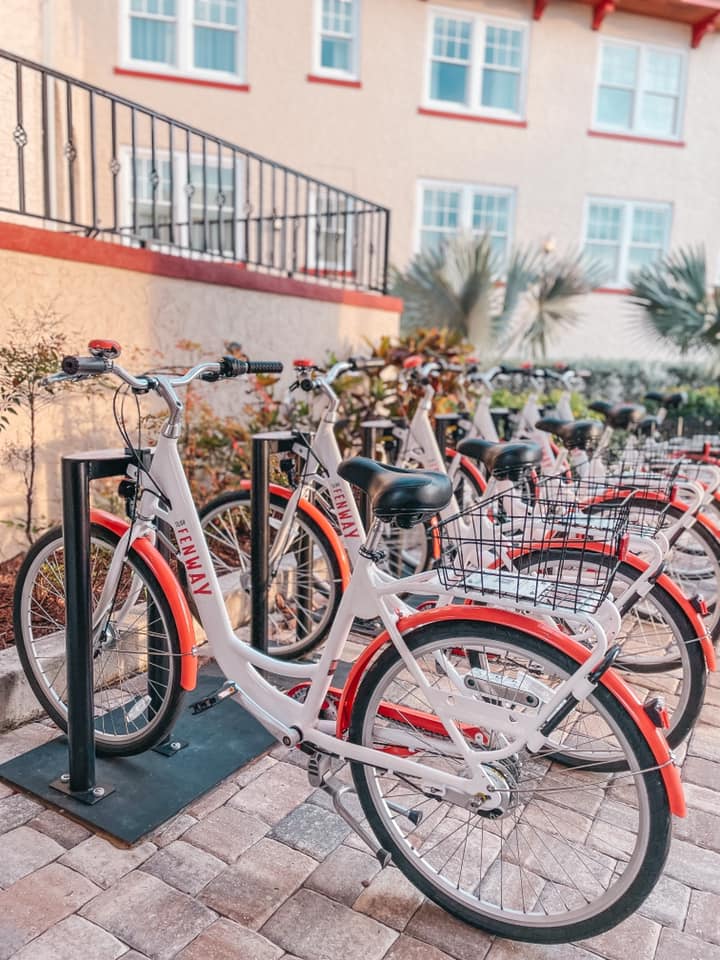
x=330, y=72
x=628, y=210
x=179, y=204
x=185, y=50
x=635, y=130
x=477, y=63
x=467, y=192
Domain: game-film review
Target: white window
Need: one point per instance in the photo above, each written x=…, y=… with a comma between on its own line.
x=337, y=31
x=201, y=38
x=180, y=215
x=626, y=235
x=332, y=231
x=640, y=90
x=449, y=209
x=476, y=64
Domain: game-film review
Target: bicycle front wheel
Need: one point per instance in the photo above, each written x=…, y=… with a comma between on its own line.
x=136, y=648
x=567, y=853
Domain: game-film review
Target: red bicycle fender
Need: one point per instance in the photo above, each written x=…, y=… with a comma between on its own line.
x=321, y=520
x=469, y=467
x=170, y=587
x=679, y=597
x=611, y=680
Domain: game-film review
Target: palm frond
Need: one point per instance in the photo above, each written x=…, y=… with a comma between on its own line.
x=677, y=308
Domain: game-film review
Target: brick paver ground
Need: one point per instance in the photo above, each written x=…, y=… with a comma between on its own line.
x=262, y=869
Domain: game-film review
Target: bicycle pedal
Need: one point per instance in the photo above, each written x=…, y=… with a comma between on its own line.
x=228, y=689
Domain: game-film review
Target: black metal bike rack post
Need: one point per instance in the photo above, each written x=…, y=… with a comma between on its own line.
x=443, y=422
x=263, y=445
x=370, y=431
x=77, y=472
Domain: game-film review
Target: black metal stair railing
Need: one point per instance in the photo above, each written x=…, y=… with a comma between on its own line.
x=89, y=161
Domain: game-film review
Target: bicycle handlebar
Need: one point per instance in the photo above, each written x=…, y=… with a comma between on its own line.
x=74, y=367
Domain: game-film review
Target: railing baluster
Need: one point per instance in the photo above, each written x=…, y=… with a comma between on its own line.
x=133, y=167
x=272, y=220
x=283, y=222
x=205, y=186
x=154, y=181
x=114, y=162
x=189, y=191
x=171, y=178
x=220, y=201
x=261, y=214
x=44, y=80
x=93, y=167
x=70, y=151
x=20, y=136
x=296, y=228
x=234, y=208
x=386, y=259
x=247, y=208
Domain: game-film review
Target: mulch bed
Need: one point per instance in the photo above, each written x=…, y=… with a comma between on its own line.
x=8, y=572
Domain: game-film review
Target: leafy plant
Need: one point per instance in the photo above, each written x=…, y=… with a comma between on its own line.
x=33, y=348
x=463, y=286
x=679, y=308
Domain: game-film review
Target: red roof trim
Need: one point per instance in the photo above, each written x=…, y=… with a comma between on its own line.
x=426, y=112
x=703, y=27
x=63, y=246
x=334, y=81
x=600, y=11
x=540, y=8
x=633, y=139
x=180, y=78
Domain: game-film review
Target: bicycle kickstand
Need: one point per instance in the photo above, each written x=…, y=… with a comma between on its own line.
x=319, y=775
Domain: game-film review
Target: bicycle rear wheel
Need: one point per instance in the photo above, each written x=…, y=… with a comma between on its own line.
x=136, y=648
x=567, y=853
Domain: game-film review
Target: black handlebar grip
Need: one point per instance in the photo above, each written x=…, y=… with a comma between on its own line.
x=230, y=367
x=75, y=366
x=265, y=366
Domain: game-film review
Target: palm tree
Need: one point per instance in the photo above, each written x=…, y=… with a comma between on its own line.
x=551, y=302
x=679, y=308
x=464, y=286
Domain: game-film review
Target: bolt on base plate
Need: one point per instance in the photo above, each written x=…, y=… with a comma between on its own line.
x=89, y=797
x=168, y=748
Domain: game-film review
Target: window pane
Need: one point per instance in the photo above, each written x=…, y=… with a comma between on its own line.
x=432, y=240
x=642, y=256
x=649, y=226
x=663, y=71
x=215, y=49
x=451, y=39
x=336, y=54
x=659, y=114
x=337, y=16
x=500, y=89
x=490, y=212
x=619, y=65
x=152, y=40
x=614, y=107
x=604, y=222
x=449, y=82
x=503, y=47
x=223, y=12
x=607, y=254
x=441, y=208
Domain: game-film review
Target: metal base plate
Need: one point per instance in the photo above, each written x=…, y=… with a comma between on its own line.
x=89, y=797
x=147, y=789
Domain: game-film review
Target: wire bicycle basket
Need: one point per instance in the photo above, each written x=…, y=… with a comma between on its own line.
x=534, y=546
x=653, y=482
